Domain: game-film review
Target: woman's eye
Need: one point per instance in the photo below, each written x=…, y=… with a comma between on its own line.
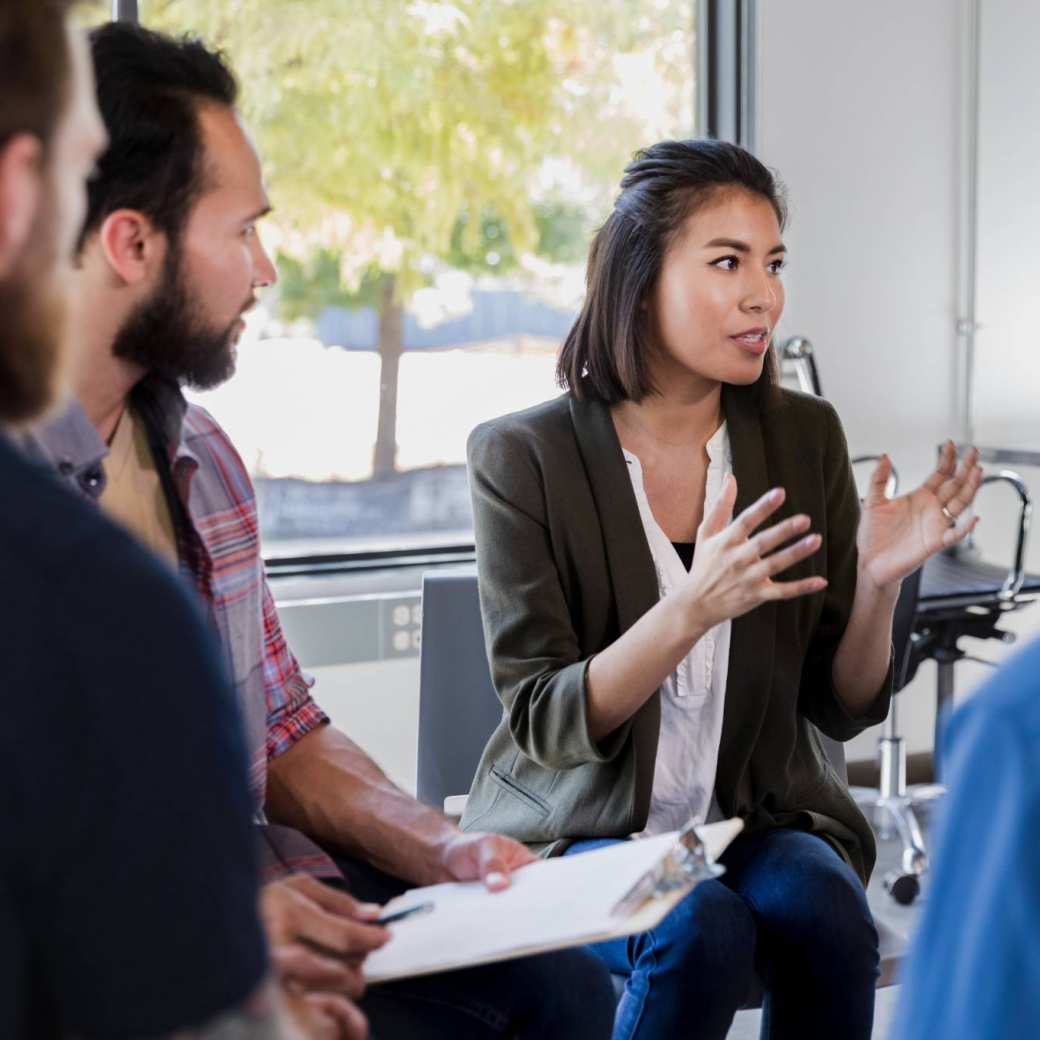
x=725, y=263
x=248, y=232
x=776, y=266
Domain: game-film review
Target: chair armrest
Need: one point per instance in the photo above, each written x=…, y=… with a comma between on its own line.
x=1016, y=573
x=455, y=806
x=799, y=351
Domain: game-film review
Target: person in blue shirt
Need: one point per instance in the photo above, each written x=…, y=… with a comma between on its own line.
x=974, y=967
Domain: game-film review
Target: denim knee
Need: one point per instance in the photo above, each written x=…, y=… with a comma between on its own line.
x=709, y=937
x=812, y=902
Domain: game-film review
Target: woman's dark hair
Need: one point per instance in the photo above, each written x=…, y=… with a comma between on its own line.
x=606, y=354
x=34, y=67
x=149, y=88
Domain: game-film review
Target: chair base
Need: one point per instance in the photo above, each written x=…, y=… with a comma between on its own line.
x=895, y=816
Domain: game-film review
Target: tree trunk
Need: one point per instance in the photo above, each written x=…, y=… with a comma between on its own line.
x=391, y=344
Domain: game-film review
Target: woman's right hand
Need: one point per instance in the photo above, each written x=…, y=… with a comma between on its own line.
x=733, y=567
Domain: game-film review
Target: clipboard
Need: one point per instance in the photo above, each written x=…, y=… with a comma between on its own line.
x=619, y=890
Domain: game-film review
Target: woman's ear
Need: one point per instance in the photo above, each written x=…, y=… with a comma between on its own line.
x=132, y=245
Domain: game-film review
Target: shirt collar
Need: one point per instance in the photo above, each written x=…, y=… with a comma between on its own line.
x=718, y=448
x=71, y=443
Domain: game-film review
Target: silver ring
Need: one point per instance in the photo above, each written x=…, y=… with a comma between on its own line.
x=949, y=516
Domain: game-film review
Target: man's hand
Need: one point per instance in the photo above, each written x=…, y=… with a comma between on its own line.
x=324, y=1016
x=319, y=937
x=486, y=857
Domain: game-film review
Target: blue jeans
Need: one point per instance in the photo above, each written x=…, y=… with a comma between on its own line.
x=555, y=996
x=789, y=910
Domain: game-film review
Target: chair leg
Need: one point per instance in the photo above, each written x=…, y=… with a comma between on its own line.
x=893, y=808
x=943, y=699
x=904, y=884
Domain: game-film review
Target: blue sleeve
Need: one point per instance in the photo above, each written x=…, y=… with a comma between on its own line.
x=148, y=919
x=975, y=961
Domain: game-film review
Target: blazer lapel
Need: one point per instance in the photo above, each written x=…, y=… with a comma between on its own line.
x=753, y=635
x=631, y=567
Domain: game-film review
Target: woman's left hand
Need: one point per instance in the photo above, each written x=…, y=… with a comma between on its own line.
x=896, y=535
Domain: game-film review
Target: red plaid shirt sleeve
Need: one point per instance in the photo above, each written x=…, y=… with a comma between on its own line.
x=291, y=710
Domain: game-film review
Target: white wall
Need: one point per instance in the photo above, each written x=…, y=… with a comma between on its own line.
x=858, y=108
x=1007, y=396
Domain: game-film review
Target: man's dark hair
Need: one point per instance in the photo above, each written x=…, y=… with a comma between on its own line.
x=149, y=89
x=35, y=66
x=606, y=354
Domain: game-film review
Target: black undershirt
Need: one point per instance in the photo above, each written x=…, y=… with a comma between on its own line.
x=685, y=551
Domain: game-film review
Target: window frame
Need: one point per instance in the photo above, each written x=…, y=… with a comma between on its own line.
x=725, y=65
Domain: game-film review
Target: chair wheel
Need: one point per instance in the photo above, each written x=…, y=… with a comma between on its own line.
x=903, y=888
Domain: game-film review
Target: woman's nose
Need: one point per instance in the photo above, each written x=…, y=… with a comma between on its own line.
x=760, y=295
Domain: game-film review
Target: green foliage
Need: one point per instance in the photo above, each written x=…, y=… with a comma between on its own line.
x=307, y=287
x=394, y=131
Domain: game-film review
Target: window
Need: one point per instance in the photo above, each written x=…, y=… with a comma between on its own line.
x=436, y=169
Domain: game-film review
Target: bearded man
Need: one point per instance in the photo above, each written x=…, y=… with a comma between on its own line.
x=170, y=261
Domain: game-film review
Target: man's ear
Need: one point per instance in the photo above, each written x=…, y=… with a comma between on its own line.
x=21, y=193
x=132, y=245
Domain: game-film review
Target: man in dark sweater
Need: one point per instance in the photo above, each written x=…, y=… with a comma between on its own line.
x=128, y=889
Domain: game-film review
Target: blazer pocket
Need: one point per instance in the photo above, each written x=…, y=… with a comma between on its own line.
x=514, y=787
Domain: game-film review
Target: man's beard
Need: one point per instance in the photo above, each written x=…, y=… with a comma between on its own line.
x=166, y=334
x=32, y=339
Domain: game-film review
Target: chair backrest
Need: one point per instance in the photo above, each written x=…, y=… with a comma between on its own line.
x=458, y=706
x=903, y=630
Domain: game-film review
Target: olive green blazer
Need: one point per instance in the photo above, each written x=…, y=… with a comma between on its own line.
x=565, y=568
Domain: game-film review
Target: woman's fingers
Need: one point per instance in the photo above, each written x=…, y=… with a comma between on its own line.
x=952, y=484
x=721, y=511
x=953, y=535
x=755, y=515
x=964, y=493
x=784, y=558
x=766, y=541
x=876, y=492
x=793, y=589
x=946, y=467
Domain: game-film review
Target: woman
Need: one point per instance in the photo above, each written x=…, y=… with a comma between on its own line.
x=653, y=664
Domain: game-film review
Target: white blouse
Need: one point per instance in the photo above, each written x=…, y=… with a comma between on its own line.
x=693, y=696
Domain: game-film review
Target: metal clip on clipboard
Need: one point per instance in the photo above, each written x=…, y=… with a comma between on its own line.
x=686, y=864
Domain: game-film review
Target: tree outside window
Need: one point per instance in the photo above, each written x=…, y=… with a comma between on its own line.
x=437, y=170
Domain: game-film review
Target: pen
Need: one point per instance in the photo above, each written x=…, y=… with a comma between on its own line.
x=400, y=915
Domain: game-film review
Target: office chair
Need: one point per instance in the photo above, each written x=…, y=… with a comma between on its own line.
x=893, y=805
x=963, y=595
x=955, y=594
x=458, y=709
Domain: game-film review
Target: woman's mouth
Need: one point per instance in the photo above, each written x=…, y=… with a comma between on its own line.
x=754, y=341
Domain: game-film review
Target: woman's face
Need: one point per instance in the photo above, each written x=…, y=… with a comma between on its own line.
x=719, y=295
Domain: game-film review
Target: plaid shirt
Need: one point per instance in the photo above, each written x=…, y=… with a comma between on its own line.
x=214, y=511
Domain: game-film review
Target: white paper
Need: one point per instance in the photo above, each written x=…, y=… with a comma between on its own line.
x=563, y=901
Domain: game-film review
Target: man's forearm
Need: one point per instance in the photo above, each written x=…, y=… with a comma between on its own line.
x=327, y=787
